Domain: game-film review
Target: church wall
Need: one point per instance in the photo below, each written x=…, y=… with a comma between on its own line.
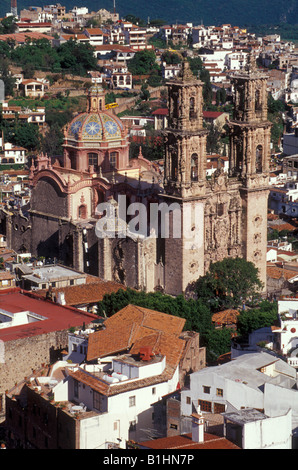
x=48, y=199
x=45, y=236
x=92, y=254
x=254, y=224
x=125, y=262
x=19, y=233
x=80, y=199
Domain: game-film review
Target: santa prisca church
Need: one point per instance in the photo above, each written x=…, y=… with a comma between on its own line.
x=96, y=168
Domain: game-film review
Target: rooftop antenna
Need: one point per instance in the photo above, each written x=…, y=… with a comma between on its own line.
x=14, y=8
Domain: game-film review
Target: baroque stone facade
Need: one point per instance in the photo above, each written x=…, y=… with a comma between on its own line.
x=224, y=216
x=232, y=209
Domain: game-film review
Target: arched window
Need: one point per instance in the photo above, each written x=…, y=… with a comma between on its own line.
x=192, y=113
x=93, y=160
x=194, y=167
x=258, y=105
x=82, y=212
x=174, y=169
x=73, y=163
x=259, y=158
x=113, y=160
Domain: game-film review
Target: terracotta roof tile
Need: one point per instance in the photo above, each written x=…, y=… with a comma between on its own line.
x=279, y=273
x=129, y=325
x=185, y=441
x=91, y=292
x=225, y=316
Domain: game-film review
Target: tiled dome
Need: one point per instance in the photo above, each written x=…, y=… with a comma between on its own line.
x=101, y=126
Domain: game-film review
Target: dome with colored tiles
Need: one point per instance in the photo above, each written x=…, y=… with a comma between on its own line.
x=96, y=124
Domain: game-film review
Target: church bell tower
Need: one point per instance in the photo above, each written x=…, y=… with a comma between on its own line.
x=249, y=159
x=185, y=138
x=184, y=181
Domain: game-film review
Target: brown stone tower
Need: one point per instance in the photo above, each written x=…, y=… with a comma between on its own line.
x=225, y=216
x=249, y=159
x=185, y=182
x=185, y=143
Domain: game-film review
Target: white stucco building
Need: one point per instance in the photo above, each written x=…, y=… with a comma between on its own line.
x=254, y=380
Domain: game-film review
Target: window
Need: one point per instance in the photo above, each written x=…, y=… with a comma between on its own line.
x=82, y=212
x=113, y=160
x=219, y=392
x=173, y=426
x=188, y=400
x=97, y=400
x=220, y=209
x=93, y=160
x=205, y=405
x=194, y=167
x=219, y=408
x=132, y=401
x=192, y=113
x=259, y=153
x=206, y=389
x=153, y=391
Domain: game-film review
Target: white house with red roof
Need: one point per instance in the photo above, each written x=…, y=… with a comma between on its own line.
x=13, y=154
x=132, y=362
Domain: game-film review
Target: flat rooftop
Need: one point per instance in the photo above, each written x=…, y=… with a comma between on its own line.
x=52, y=273
x=247, y=415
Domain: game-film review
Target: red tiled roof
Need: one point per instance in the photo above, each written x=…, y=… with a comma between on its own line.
x=185, y=441
x=94, y=31
x=91, y=292
x=211, y=114
x=58, y=317
x=161, y=111
x=278, y=273
x=226, y=316
x=22, y=37
x=285, y=226
x=129, y=325
x=34, y=25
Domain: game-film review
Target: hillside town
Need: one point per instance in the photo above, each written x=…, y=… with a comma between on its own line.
x=148, y=234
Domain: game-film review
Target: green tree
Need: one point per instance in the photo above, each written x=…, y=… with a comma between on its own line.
x=135, y=20
x=77, y=57
x=196, y=314
x=253, y=319
x=170, y=58
x=38, y=54
x=217, y=342
x=51, y=142
x=145, y=93
x=25, y=135
x=213, y=144
x=228, y=283
x=143, y=63
x=5, y=76
x=8, y=25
